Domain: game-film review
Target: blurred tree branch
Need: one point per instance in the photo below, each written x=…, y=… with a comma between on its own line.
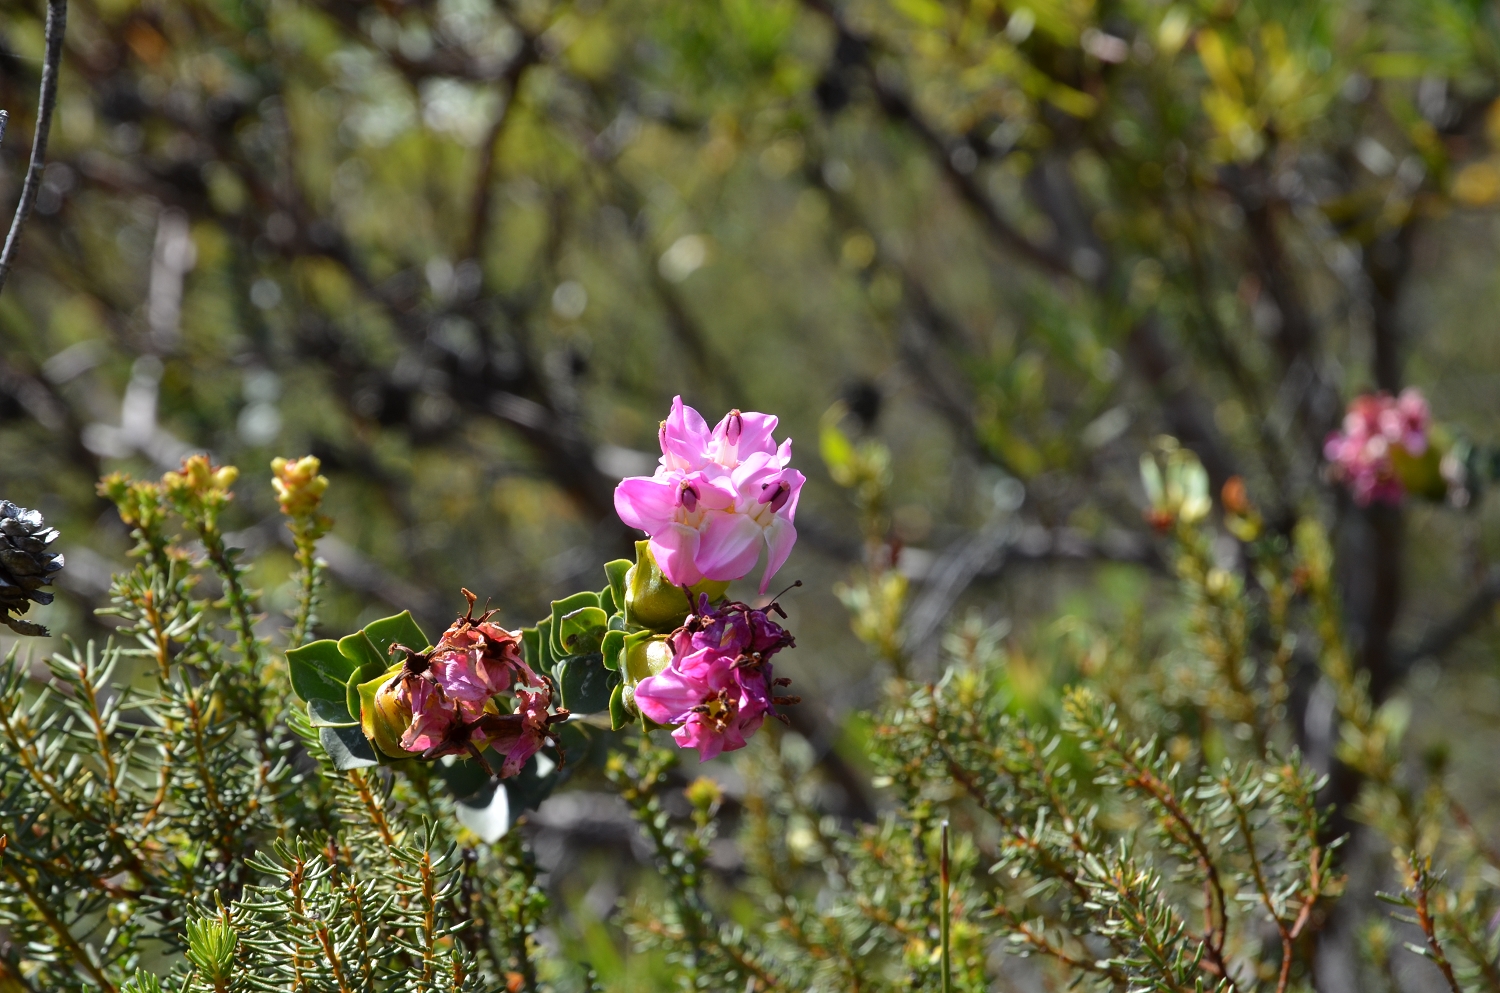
x=1183, y=409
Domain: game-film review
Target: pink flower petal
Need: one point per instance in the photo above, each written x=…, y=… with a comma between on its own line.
x=715, y=491
x=669, y=696
x=646, y=502
x=795, y=480
x=433, y=715
x=697, y=734
x=684, y=438
x=740, y=435
x=729, y=547
x=675, y=548
x=780, y=537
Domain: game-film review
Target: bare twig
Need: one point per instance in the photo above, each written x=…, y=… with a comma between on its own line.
x=898, y=107
x=1445, y=634
x=479, y=226
x=57, y=22
x=1150, y=354
x=986, y=554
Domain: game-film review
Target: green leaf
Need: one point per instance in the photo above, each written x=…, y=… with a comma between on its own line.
x=611, y=647
x=531, y=647
x=319, y=671
x=568, y=605
x=142, y=982
x=362, y=651
x=585, y=683
x=607, y=601
x=367, y=663
x=616, y=571
x=581, y=630
x=400, y=629
x=348, y=747
x=619, y=713
x=330, y=713
x=351, y=691
x=544, y=646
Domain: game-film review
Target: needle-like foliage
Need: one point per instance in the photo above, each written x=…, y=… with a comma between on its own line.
x=173, y=818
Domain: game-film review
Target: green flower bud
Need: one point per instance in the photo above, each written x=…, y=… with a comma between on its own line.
x=383, y=714
x=646, y=654
x=650, y=598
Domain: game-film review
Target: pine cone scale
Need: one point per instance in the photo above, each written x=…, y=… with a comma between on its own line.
x=25, y=565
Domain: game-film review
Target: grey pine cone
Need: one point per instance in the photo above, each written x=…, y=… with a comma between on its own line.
x=25, y=565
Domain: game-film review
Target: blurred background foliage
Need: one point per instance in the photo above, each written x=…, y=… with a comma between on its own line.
x=976, y=254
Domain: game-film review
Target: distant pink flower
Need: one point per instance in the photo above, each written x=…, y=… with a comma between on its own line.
x=719, y=686
x=1360, y=455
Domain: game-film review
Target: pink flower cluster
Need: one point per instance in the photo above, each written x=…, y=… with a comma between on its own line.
x=719, y=685
x=716, y=498
x=1360, y=455
x=449, y=690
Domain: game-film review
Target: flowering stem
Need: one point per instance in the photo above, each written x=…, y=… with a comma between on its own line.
x=310, y=576
x=234, y=592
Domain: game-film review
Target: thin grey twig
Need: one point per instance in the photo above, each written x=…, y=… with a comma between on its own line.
x=57, y=22
x=952, y=574
x=1444, y=635
x=987, y=553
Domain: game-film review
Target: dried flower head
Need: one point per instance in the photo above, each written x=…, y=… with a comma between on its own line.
x=442, y=701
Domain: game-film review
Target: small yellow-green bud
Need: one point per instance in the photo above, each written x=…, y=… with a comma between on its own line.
x=703, y=793
x=646, y=656
x=384, y=713
x=650, y=598
x=299, y=488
